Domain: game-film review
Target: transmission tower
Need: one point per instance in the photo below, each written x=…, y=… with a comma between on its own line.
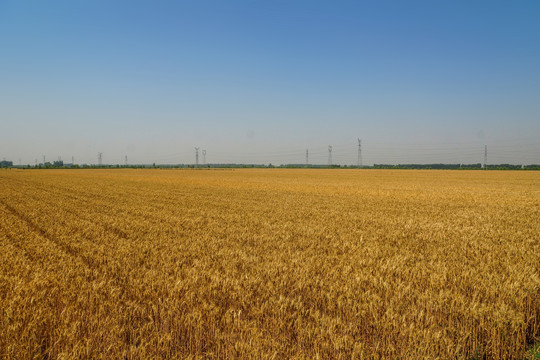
x=329, y=155
x=73, y=160
x=100, y=159
x=359, y=153
x=307, y=157
x=126, y=160
x=485, y=157
x=43, y=159
x=196, y=157
x=204, y=157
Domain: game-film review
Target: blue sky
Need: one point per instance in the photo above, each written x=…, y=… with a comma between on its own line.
x=262, y=81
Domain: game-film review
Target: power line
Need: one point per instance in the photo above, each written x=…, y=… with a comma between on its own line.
x=485, y=156
x=359, y=153
x=379, y=153
x=329, y=155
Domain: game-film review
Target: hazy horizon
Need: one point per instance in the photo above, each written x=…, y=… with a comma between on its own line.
x=261, y=82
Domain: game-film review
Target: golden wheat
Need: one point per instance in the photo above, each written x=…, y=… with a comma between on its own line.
x=334, y=264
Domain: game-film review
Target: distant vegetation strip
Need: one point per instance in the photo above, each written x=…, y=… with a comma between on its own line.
x=478, y=166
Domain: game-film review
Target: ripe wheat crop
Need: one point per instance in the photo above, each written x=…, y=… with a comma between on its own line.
x=269, y=264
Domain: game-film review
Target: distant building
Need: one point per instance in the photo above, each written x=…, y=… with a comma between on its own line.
x=5, y=163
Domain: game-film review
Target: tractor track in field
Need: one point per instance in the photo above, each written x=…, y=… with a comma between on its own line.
x=68, y=249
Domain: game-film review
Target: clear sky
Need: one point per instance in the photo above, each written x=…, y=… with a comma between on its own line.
x=262, y=81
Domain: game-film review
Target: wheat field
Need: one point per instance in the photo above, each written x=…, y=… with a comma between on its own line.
x=269, y=264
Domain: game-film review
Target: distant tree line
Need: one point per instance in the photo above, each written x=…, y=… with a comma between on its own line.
x=61, y=165
x=477, y=166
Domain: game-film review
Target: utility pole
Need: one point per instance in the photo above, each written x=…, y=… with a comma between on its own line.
x=204, y=157
x=485, y=157
x=307, y=157
x=329, y=155
x=196, y=157
x=100, y=159
x=359, y=153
